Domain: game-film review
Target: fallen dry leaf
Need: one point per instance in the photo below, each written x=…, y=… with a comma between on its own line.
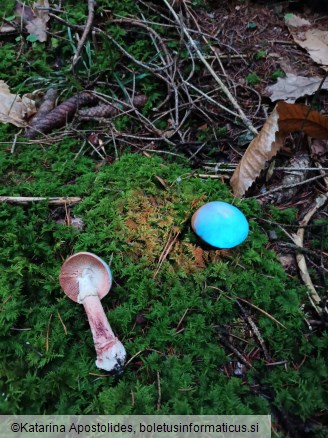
x=284, y=119
x=291, y=177
x=35, y=19
x=6, y=28
x=292, y=87
x=13, y=108
x=295, y=21
x=319, y=148
x=314, y=41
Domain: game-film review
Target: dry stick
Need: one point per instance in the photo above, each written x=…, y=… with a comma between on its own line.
x=216, y=56
x=181, y=319
x=210, y=99
x=288, y=186
x=87, y=28
x=233, y=101
x=51, y=201
x=250, y=304
x=141, y=351
x=168, y=246
x=159, y=391
x=152, y=33
x=62, y=322
x=47, y=336
x=13, y=146
x=298, y=240
x=224, y=341
x=255, y=330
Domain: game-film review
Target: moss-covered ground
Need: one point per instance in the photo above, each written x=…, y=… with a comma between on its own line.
x=179, y=313
x=129, y=216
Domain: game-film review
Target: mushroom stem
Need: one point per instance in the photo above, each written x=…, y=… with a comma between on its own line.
x=110, y=351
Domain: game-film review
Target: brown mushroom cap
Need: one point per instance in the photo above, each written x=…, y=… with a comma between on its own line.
x=73, y=269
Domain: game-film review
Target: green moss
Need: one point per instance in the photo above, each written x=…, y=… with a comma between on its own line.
x=129, y=217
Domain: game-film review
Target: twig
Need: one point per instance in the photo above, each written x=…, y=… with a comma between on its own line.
x=233, y=101
x=288, y=186
x=181, y=319
x=142, y=351
x=301, y=249
x=210, y=99
x=168, y=246
x=225, y=342
x=87, y=28
x=12, y=150
x=250, y=304
x=159, y=391
x=4, y=302
x=204, y=175
x=298, y=240
x=60, y=319
x=51, y=201
x=255, y=330
x=47, y=336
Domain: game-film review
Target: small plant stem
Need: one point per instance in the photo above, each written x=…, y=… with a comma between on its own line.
x=87, y=28
x=28, y=199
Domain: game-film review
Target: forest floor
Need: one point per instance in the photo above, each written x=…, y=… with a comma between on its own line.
x=131, y=115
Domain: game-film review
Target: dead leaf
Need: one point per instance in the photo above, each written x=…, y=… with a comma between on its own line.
x=314, y=41
x=295, y=21
x=35, y=19
x=6, y=28
x=13, y=108
x=319, y=148
x=284, y=119
x=293, y=87
x=24, y=12
x=291, y=178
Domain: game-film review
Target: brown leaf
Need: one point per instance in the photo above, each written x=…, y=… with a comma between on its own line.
x=298, y=117
x=13, y=108
x=291, y=177
x=24, y=12
x=35, y=19
x=261, y=149
x=284, y=119
x=6, y=28
x=319, y=148
x=295, y=21
x=292, y=87
x=314, y=41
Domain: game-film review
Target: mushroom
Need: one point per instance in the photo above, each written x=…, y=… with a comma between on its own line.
x=220, y=224
x=86, y=279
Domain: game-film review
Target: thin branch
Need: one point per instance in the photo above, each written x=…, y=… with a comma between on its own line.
x=233, y=101
x=87, y=28
x=52, y=201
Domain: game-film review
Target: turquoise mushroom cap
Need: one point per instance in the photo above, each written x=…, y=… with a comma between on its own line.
x=220, y=224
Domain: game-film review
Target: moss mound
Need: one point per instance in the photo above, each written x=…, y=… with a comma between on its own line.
x=172, y=303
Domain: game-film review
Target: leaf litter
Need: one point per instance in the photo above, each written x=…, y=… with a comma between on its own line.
x=235, y=52
x=292, y=87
